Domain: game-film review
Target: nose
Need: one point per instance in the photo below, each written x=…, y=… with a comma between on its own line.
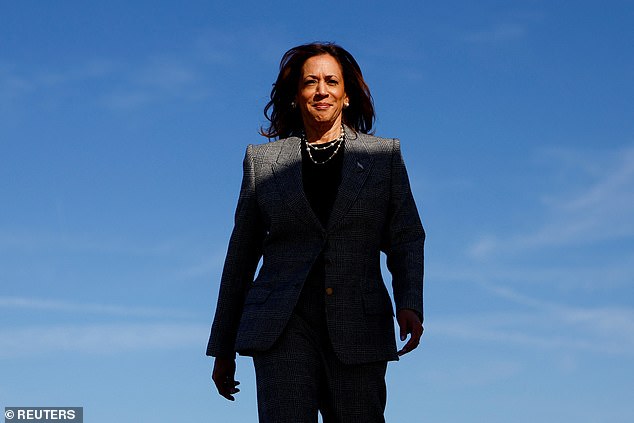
x=321, y=89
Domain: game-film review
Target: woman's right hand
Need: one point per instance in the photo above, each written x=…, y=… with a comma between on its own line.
x=223, y=376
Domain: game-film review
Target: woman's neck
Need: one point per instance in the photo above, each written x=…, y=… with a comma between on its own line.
x=323, y=133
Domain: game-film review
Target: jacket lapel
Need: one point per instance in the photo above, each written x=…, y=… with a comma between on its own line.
x=288, y=175
x=357, y=163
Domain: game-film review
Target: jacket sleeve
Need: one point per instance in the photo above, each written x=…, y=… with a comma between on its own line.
x=243, y=255
x=403, y=239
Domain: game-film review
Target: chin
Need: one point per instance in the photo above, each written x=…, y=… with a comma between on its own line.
x=323, y=118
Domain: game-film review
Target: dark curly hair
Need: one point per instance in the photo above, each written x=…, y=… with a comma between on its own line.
x=286, y=120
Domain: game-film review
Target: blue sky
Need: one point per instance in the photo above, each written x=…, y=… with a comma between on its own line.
x=122, y=130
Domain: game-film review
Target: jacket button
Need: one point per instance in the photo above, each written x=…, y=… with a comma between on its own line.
x=329, y=291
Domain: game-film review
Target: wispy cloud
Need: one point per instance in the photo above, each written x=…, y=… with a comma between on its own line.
x=157, y=80
x=91, y=308
x=605, y=330
x=18, y=83
x=539, y=323
x=137, y=328
x=98, y=339
x=204, y=268
x=600, y=211
x=13, y=86
x=480, y=372
x=110, y=83
x=24, y=241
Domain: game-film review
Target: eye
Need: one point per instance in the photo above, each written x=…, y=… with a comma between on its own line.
x=310, y=82
x=332, y=82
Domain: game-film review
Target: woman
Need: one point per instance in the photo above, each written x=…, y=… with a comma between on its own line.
x=318, y=206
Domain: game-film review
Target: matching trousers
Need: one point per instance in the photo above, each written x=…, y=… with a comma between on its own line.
x=301, y=375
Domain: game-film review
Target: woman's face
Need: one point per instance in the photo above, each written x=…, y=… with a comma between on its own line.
x=321, y=95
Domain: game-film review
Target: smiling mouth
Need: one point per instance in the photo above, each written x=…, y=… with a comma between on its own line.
x=321, y=106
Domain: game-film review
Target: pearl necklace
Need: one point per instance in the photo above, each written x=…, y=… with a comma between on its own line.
x=309, y=147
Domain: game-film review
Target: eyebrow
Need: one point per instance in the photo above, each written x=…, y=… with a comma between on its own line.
x=326, y=76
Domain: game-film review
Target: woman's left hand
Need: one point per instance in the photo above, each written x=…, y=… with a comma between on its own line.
x=409, y=323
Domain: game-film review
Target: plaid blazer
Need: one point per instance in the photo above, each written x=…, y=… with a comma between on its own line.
x=374, y=211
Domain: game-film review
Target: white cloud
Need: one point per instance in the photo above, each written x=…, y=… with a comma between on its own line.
x=204, y=268
x=467, y=374
x=191, y=74
x=91, y=308
x=545, y=325
x=599, y=211
x=13, y=86
x=18, y=83
x=156, y=80
x=99, y=339
x=567, y=331
x=113, y=84
x=22, y=339
x=24, y=241
x=127, y=100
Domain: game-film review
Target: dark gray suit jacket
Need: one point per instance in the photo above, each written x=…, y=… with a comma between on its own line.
x=374, y=211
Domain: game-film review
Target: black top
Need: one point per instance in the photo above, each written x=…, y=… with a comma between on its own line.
x=321, y=181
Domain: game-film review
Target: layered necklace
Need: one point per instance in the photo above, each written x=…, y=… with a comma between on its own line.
x=317, y=147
